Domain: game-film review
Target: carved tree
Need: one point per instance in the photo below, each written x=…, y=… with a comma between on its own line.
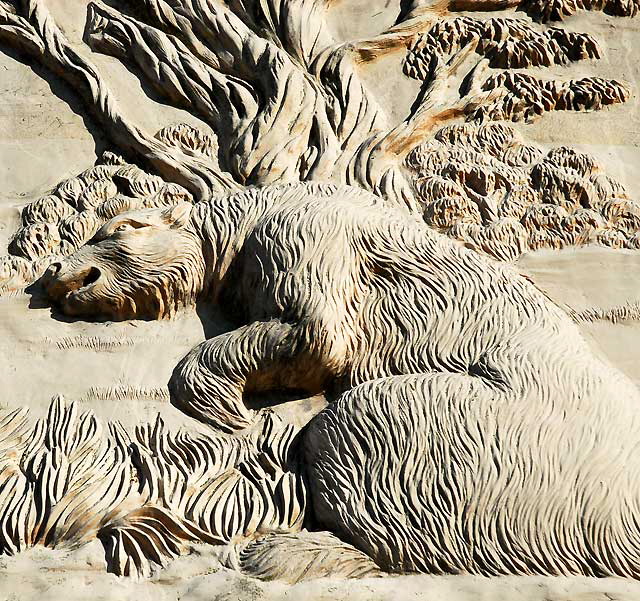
x=286, y=102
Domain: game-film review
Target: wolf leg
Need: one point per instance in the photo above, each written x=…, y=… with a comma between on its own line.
x=210, y=381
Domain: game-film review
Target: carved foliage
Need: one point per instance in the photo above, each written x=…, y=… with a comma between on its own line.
x=557, y=10
x=486, y=186
x=60, y=480
x=506, y=43
x=64, y=481
x=59, y=223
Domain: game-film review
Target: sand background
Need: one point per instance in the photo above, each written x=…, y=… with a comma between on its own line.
x=120, y=370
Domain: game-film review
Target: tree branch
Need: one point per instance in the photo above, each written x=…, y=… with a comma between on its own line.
x=269, y=114
x=30, y=28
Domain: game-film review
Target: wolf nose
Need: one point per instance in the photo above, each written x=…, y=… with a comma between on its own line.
x=53, y=269
x=48, y=279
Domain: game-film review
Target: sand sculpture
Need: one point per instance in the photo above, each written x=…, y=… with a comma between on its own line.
x=457, y=385
x=470, y=427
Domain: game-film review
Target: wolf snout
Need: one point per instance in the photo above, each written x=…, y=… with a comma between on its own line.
x=58, y=279
x=53, y=270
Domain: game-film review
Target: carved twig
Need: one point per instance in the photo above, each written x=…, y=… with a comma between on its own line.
x=269, y=115
x=31, y=29
x=434, y=106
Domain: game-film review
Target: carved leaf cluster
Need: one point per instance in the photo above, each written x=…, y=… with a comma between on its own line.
x=59, y=223
x=523, y=97
x=486, y=186
x=558, y=10
x=506, y=43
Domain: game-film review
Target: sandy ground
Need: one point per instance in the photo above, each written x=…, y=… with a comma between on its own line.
x=587, y=278
x=121, y=370
x=45, y=575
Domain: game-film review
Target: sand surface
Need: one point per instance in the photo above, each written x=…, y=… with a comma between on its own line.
x=120, y=370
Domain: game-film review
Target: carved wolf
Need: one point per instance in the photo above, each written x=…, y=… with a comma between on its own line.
x=473, y=428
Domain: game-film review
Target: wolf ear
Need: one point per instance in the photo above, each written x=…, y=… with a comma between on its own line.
x=178, y=215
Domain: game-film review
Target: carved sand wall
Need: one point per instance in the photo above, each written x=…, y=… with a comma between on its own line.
x=357, y=369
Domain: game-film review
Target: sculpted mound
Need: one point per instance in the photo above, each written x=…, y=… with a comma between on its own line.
x=473, y=429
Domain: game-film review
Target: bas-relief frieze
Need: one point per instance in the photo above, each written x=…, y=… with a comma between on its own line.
x=470, y=426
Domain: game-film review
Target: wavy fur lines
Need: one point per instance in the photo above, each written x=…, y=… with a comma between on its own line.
x=472, y=428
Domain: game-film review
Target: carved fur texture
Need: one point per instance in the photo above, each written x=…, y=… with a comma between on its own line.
x=451, y=473
x=478, y=432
